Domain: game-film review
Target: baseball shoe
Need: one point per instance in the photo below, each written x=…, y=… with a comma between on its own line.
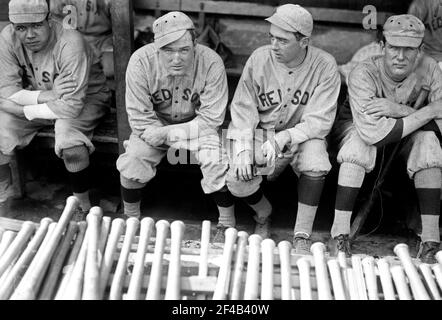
x=302, y=244
x=262, y=227
x=340, y=243
x=220, y=233
x=428, y=251
x=414, y=243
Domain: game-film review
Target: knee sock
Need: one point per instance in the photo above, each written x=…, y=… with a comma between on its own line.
x=131, y=192
x=259, y=203
x=351, y=177
x=225, y=203
x=309, y=194
x=427, y=184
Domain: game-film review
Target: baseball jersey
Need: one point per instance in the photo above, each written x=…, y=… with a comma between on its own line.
x=154, y=98
x=430, y=12
x=272, y=96
x=66, y=51
x=93, y=16
x=368, y=80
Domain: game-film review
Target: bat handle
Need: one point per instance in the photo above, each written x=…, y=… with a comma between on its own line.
x=324, y=291
x=239, y=265
x=252, y=277
x=386, y=281
x=173, y=287
x=336, y=278
x=205, y=240
x=284, y=248
x=303, y=265
x=370, y=278
x=221, y=287
x=267, y=248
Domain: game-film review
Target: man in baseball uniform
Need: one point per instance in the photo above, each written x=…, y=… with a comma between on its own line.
x=176, y=96
x=93, y=19
x=430, y=13
x=284, y=106
x=382, y=92
x=48, y=77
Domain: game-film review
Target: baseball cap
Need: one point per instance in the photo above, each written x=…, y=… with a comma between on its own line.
x=27, y=11
x=293, y=18
x=404, y=30
x=170, y=27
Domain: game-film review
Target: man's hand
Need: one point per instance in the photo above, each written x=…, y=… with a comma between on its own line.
x=11, y=107
x=243, y=167
x=382, y=107
x=63, y=84
x=271, y=151
x=155, y=136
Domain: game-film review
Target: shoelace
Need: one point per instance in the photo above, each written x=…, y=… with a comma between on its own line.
x=302, y=244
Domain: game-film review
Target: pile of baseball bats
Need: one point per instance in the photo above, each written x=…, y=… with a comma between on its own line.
x=118, y=259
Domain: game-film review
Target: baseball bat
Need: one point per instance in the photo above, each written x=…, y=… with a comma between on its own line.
x=91, y=285
x=156, y=273
x=17, y=245
x=418, y=288
x=284, y=248
x=57, y=263
x=120, y=272
x=136, y=281
x=370, y=278
x=324, y=291
x=336, y=279
x=397, y=272
x=342, y=259
x=352, y=284
x=69, y=267
x=205, y=241
x=7, y=286
x=429, y=280
x=2, y=230
x=8, y=237
x=303, y=265
x=386, y=281
x=439, y=256
x=359, y=276
x=267, y=248
x=117, y=230
x=104, y=233
x=437, y=270
x=173, y=287
x=253, y=264
x=236, y=285
x=31, y=281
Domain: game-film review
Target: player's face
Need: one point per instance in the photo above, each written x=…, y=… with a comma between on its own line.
x=178, y=56
x=285, y=46
x=34, y=36
x=399, y=61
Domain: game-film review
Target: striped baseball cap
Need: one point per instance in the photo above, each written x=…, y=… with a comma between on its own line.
x=27, y=11
x=170, y=27
x=404, y=30
x=293, y=18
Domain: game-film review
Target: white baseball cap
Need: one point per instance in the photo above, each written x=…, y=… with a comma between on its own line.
x=293, y=18
x=27, y=11
x=170, y=27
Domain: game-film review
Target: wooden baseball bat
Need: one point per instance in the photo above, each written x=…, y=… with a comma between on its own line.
x=303, y=265
x=352, y=284
x=370, y=278
x=336, y=279
x=437, y=270
x=429, y=280
x=69, y=267
x=222, y=283
x=418, y=288
x=8, y=237
x=156, y=273
x=104, y=233
x=342, y=259
x=397, y=272
x=91, y=285
x=31, y=281
x=17, y=245
x=57, y=263
x=2, y=230
x=117, y=230
x=386, y=281
x=136, y=281
x=284, y=248
x=324, y=291
x=7, y=286
x=120, y=272
x=359, y=276
x=439, y=256
x=267, y=248
x=173, y=287
x=205, y=241
x=253, y=264
x=238, y=271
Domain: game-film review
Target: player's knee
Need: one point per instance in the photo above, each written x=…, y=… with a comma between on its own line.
x=76, y=158
x=426, y=138
x=134, y=168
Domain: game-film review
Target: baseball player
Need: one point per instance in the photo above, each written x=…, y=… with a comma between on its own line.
x=430, y=13
x=93, y=20
x=176, y=96
x=48, y=78
x=284, y=106
x=382, y=92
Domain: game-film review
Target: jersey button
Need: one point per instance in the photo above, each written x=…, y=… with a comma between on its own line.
x=285, y=106
x=176, y=88
x=176, y=101
x=280, y=122
x=36, y=69
x=39, y=84
x=290, y=72
x=175, y=116
x=288, y=90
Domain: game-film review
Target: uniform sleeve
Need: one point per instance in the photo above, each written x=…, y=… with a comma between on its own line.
x=213, y=99
x=10, y=70
x=139, y=106
x=418, y=9
x=74, y=57
x=436, y=91
x=56, y=7
x=244, y=111
x=320, y=112
x=361, y=90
